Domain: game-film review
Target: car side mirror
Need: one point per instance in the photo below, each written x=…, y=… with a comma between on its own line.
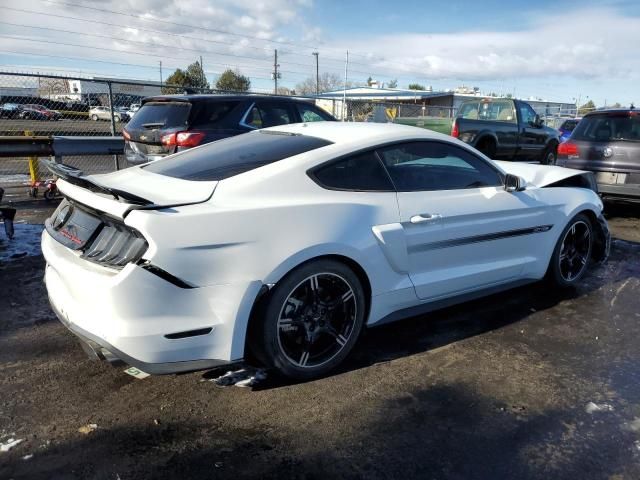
x=514, y=183
x=537, y=121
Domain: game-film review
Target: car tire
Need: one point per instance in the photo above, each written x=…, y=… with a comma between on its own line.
x=310, y=320
x=487, y=146
x=572, y=254
x=549, y=155
x=94, y=117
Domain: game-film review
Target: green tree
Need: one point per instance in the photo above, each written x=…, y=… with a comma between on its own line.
x=369, y=81
x=192, y=77
x=233, y=81
x=586, y=108
x=393, y=83
x=416, y=86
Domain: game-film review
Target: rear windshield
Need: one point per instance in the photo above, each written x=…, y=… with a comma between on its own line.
x=498, y=110
x=608, y=127
x=234, y=155
x=161, y=115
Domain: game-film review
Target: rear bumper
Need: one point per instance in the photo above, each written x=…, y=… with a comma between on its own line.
x=144, y=320
x=630, y=191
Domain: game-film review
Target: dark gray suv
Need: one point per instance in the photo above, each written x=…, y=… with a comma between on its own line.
x=607, y=142
x=168, y=124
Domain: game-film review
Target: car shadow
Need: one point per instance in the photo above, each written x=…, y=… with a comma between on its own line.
x=450, y=325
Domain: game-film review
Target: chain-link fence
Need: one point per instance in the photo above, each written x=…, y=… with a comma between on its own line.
x=45, y=105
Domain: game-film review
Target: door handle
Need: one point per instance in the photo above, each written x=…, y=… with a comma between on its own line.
x=425, y=217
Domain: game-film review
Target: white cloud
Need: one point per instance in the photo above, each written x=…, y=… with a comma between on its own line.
x=597, y=43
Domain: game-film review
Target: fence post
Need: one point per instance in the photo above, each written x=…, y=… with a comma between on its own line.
x=34, y=167
x=113, y=122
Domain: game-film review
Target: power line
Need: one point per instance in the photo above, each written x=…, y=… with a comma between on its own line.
x=144, y=54
x=338, y=61
x=207, y=29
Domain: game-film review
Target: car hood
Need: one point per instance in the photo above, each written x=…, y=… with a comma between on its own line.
x=133, y=188
x=538, y=175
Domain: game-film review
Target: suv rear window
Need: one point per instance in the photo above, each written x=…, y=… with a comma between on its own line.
x=161, y=115
x=235, y=155
x=608, y=127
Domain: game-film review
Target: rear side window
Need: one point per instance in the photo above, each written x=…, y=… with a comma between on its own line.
x=495, y=110
x=161, y=115
x=608, y=127
x=362, y=172
x=210, y=114
x=234, y=155
x=263, y=115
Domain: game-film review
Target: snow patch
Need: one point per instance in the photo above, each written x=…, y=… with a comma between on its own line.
x=26, y=242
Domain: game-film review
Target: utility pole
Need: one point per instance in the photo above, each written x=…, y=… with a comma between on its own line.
x=275, y=74
x=160, y=72
x=315, y=54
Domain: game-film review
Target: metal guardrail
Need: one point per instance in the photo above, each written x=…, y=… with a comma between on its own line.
x=20, y=146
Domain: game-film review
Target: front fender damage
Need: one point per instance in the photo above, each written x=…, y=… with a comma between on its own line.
x=602, y=243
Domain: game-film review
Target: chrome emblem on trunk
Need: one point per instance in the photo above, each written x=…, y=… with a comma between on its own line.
x=607, y=152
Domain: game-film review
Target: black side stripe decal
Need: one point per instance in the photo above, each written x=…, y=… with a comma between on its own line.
x=456, y=242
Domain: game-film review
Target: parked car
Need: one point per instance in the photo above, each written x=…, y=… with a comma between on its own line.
x=287, y=242
x=10, y=110
x=567, y=127
x=607, y=142
x=104, y=113
x=171, y=123
x=38, y=112
x=506, y=129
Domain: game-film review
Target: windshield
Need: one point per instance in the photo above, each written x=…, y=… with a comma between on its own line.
x=161, y=115
x=569, y=125
x=608, y=127
x=234, y=155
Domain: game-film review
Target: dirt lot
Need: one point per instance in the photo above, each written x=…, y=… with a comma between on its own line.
x=496, y=388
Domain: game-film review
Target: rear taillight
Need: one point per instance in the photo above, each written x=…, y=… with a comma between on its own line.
x=189, y=139
x=454, y=129
x=568, y=149
x=183, y=139
x=168, y=140
x=116, y=245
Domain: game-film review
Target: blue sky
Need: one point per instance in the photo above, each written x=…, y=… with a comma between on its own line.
x=556, y=50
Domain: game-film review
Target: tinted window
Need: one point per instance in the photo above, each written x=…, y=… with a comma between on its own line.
x=210, y=114
x=161, y=115
x=234, y=155
x=527, y=113
x=494, y=110
x=608, y=127
x=264, y=115
x=436, y=166
x=359, y=172
x=310, y=114
x=569, y=125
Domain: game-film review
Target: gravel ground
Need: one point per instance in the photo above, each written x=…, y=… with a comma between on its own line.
x=530, y=383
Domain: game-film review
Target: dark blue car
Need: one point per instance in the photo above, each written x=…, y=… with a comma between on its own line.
x=567, y=127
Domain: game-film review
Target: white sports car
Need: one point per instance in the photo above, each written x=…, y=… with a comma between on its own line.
x=287, y=242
